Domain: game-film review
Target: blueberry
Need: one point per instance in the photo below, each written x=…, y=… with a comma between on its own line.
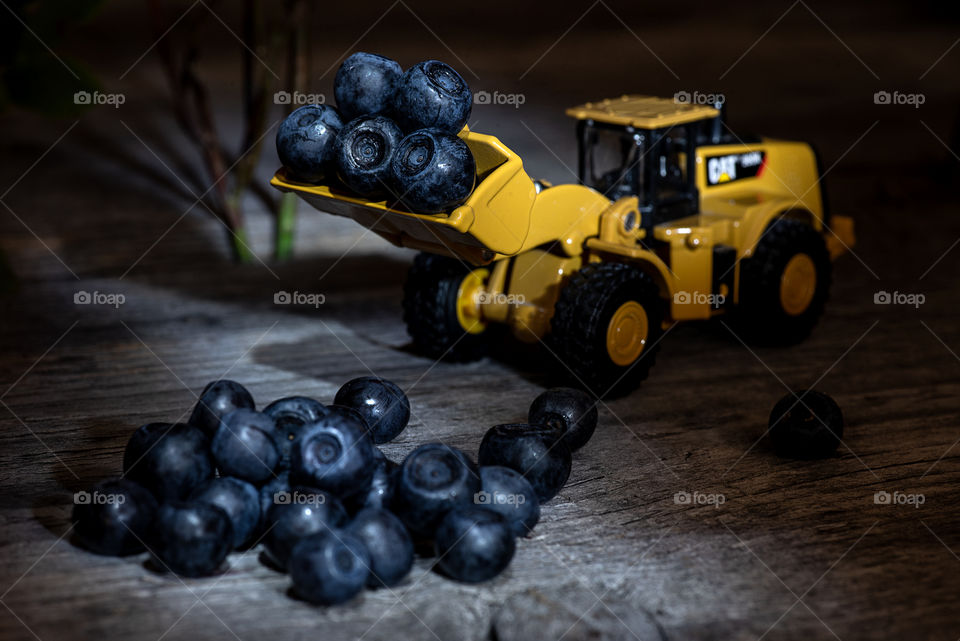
x=365, y=83
x=169, y=460
x=239, y=499
x=329, y=568
x=539, y=452
x=114, y=517
x=506, y=491
x=433, y=479
x=306, y=141
x=269, y=490
x=349, y=412
x=291, y=415
x=218, y=399
x=296, y=514
x=364, y=151
x=473, y=544
x=806, y=425
x=334, y=454
x=383, y=405
x=191, y=539
x=389, y=545
x=244, y=446
x=432, y=94
x=380, y=492
x=569, y=409
x=432, y=171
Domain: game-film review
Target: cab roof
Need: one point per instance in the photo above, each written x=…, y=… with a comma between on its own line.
x=642, y=112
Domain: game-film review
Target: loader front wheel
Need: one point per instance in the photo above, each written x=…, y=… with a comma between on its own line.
x=437, y=309
x=606, y=327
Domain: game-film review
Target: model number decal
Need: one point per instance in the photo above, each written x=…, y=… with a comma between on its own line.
x=724, y=169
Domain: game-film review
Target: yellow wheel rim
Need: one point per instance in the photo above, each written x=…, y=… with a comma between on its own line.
x=468, y=301
x=798, y=283
x=627, y=333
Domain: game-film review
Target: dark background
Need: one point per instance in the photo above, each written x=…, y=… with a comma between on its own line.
x=99, y=201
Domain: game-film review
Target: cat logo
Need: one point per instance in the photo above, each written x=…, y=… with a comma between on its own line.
x=724, y=169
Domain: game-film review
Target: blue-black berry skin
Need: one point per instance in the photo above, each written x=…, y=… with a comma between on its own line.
x=432, y=94
x=432, y=171
x=388, y=542
x=245, y=447
x=290, y=415
x=329, y=568
x=508, y=493
x=334, y=454
x=306, y=142
x=297, y=514
x=806, y=425
x=169, y=460
x=365, y=84
x=473, y=544
x=568, y=409
x=364, y=152
x=239, y=500
x=279, y=484
x=218, y=399
x=114, y=517
x=433, y=479
x=191, y=539
x=538, y=452
x=383, y=483
x=382, y=404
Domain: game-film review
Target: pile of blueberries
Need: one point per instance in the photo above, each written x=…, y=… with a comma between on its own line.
x=399, y=140
x=308, y=481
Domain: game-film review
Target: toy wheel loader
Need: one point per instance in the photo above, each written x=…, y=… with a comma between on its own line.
x=672, y=221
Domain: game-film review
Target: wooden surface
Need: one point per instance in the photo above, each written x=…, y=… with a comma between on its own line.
x=797, y=549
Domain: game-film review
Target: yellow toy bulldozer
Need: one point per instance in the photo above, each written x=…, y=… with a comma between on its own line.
x=672, y=220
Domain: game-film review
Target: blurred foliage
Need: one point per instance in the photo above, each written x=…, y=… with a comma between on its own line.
x=33, y=75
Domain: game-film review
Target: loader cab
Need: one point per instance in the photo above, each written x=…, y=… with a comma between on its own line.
x=645, y=147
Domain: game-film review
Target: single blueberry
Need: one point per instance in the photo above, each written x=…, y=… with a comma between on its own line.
x=334, y=454
x=506, y=491
x=306, y=141
x=191, y=539
x=114, y=517
x=218, y=399
x=329, y=568
x=570, y=410
x=432, y=171
x=291, y=415
x=298, y=513
x=244, y=446
x=383, y=405
x=389, y=545
x=279, y=484
x=365, y=83
x=364, y=151
x=538, y=452
x=432, y=94
x=433, y=479
x=239, y=499
x=473, y=544
x=806, y=425
x=380, y=492
x=169, y=460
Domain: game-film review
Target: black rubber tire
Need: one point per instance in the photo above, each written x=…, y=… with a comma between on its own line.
x=430, y=310
x=760, y=315
x=582, y=315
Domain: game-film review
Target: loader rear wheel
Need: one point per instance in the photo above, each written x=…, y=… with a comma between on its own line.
x=436, y=308
x=606, y=327
x=784, y=285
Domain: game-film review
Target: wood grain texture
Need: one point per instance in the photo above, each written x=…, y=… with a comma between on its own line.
x=797, y=550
